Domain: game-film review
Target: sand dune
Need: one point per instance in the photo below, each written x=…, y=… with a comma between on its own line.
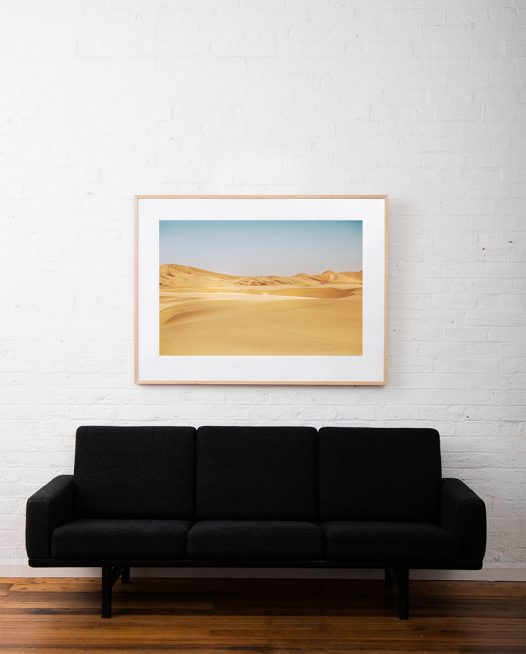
x=175, y=276
x=207, y=313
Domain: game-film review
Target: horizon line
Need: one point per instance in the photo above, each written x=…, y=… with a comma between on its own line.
x=217, y=272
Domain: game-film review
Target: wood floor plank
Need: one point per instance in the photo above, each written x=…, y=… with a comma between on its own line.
x=200, y=616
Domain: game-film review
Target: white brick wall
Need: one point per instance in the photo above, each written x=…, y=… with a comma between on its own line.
x=423, y=100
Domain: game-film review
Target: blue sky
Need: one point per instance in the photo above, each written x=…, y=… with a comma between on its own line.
x=262, y=247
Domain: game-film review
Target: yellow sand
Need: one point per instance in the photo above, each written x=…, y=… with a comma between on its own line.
x=206, y=313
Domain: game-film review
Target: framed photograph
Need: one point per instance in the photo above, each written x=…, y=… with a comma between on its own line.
x=260, y=289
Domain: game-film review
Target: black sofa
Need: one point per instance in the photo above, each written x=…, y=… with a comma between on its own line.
x=256, y=497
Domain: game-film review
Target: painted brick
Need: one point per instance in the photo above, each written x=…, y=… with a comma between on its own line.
x=109, y=98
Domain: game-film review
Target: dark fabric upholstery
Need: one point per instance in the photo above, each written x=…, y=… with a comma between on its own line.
x=256, y=473
x=259, y=493
x=255, y=539
x=49, y=507
x=120, y=539
x=465, y=513
x=389, y=541
x=379, y=474
x=135, y=472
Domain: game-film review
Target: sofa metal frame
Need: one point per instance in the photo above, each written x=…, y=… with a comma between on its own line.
x=394, y=572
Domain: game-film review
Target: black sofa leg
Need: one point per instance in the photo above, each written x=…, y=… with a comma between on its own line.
x=388, y=579
x=402, y=578
x=125, y=576
x=107, y=583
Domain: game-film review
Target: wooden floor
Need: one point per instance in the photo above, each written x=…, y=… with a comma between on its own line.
x=261, y=616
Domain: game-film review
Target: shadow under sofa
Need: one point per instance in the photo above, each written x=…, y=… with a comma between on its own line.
x=278, y=497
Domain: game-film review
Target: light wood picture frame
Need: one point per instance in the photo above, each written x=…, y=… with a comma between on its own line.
x=260, y=289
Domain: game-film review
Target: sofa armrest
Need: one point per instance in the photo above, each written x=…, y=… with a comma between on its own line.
x=464, y=513
x=47, y=509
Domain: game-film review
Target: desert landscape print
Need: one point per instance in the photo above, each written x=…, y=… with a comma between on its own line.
x=260, y=288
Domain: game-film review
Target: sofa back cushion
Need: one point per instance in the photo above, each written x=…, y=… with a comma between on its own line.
x=379, y=474
x=258, y=473
x=135, y=472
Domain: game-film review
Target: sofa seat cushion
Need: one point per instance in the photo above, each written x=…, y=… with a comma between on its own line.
x=389, y=541
x=255, y=539
x=108, y=538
